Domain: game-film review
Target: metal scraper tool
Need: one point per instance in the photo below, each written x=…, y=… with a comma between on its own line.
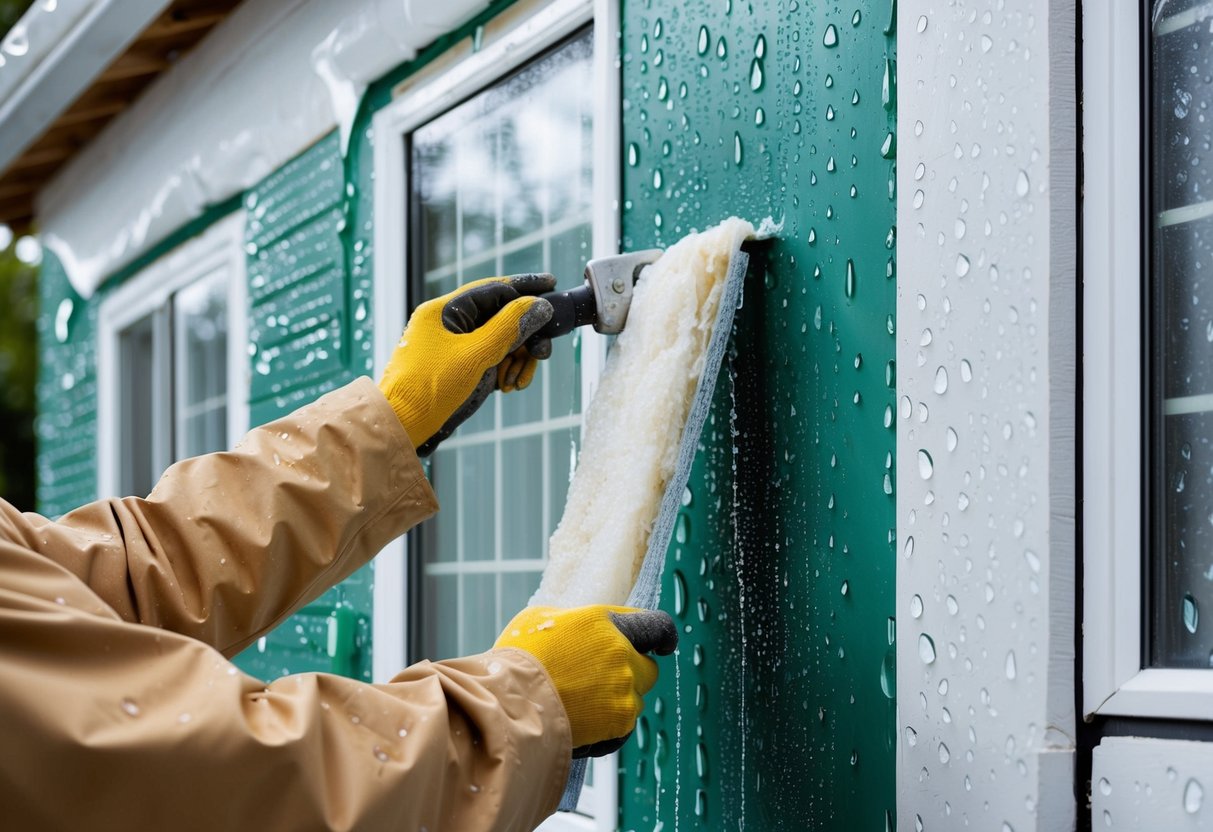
x=603, y=300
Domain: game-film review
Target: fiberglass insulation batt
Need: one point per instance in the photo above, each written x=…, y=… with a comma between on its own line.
x=634, y=424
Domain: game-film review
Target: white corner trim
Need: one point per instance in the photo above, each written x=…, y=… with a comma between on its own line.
x=1111, y=465
x=51, y=56
x=222, y=244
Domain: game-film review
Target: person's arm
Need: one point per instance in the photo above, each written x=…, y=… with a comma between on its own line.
x=229, y=544
x=113, y=726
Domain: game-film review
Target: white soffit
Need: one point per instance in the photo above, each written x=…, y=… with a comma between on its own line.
x=264, y=85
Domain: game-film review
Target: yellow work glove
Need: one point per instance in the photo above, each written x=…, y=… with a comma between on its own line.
x=595, y=657
x=457, y=348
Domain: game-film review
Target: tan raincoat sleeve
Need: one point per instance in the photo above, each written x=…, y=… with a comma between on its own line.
x=110, y=724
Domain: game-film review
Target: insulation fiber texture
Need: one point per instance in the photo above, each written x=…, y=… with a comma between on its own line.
x=634, y=424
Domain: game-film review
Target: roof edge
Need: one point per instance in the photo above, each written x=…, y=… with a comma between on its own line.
x=52, y=55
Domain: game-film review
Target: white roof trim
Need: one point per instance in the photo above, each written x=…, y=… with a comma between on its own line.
x=51, y=56
x=271, y=79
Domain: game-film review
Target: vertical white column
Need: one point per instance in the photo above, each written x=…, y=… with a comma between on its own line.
x=986, y=360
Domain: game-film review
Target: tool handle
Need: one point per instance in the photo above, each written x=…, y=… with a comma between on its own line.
x=573, y=308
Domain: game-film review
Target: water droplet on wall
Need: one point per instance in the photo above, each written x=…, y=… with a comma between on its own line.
x=926, y=649
x=926, y=466
x=1194, y=795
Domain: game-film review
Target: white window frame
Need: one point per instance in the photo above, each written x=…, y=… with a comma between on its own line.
x=220, y=245
x=514, y=38
x=1114, y=681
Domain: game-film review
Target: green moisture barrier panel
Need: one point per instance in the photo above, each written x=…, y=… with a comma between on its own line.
x=778, y=711
x=67, y=393
x=302, y=333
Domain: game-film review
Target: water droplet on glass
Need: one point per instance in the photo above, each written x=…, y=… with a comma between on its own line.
x=704, y=40
x=987, y=43
x=962, y=265
x=737, y=152
x=944, y=754
x=633, y=154
x=1033, y=560
x=911, y=736
x=951, y=439
x=916, y=606
x=850, y=280
x=1191, y=613
x=952, y=605
x=831, y=36
x=941, y=380
x=1105, y=788
x=756, y=74
x=1010, y=665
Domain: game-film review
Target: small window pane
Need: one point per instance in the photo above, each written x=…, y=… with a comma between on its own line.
x=477, y=488
x=523, y=532
x=478, y=611
x=516, y=589
x=136, y=370
x=439, y=628
x=200, y=323
x=1181, y=361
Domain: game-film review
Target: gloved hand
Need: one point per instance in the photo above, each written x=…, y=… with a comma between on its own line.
x=595, y=656
x=457, y=348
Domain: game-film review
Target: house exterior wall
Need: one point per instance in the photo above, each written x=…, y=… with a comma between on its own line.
x=986, y=427
x=778, y=710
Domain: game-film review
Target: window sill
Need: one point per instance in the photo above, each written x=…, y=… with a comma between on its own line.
x=1164, y=693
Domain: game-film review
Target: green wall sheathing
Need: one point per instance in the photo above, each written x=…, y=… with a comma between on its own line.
x=300, y=327
x=67, y=393
x=778, y=710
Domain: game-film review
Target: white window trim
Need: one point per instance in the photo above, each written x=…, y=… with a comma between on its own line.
x=1114, y=681
x=220, y=244
x=528, y=29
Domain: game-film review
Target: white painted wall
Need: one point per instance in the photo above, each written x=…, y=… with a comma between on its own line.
x=1140, y=783
x=986, y=395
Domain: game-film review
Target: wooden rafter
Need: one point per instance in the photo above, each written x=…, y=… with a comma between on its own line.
x=159, y=46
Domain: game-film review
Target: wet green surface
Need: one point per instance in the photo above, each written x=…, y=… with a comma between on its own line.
x=778, y=711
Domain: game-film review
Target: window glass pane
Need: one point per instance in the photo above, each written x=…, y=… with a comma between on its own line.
x=1181, y=362
x=523, y=533
x=516, y=589
x=200, y=327
x=477, y=511
x=478, y=610
x=502, y=185
x=439, y=627
x=137, y=474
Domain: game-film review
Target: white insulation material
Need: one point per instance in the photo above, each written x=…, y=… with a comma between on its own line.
x=634, y=425
x=1138, y=783
x=268, y=82
x=986, y=348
